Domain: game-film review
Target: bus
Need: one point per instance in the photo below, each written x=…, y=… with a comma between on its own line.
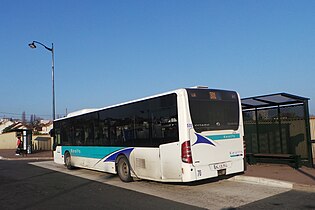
x=183, y=135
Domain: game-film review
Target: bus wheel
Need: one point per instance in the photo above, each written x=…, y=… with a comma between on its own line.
x=68, y=160
x=123, y=169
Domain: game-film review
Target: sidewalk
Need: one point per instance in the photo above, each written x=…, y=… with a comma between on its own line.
x=280, y=175
x=9, y=154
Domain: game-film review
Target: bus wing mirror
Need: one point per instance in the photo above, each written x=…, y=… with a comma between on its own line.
x=52, y=133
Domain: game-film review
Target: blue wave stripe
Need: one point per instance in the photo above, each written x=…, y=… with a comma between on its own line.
x=202, y=140
x=113, y=156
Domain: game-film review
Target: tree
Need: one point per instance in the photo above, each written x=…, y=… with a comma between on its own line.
x=23, y=117
x=32, y=119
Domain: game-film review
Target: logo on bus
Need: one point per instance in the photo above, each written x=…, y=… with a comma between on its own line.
x=75, y=151
x=212, y=138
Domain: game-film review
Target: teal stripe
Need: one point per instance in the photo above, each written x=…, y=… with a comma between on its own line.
x=236, y=155
x=90, y=151
x=223, y=137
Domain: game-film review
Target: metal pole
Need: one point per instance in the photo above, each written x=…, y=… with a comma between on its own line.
x=32, y=45
x=257, y=131
x=53, y=80
x=308, y=133
x=280, y=131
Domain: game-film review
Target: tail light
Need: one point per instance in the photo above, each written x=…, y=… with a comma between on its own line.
x=186, y=152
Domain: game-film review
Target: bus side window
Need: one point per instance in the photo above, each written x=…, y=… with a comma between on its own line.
x=57, y=137
x=112, y=135
x=89, y=135
x=78, y=136
x=164, y=122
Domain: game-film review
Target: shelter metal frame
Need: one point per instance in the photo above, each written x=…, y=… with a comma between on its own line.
x=279, y=100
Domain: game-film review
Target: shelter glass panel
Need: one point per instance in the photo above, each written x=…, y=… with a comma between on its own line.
x=295, y=130
x=268, y=131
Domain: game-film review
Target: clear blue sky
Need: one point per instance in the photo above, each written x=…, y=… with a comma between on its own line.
x=107, y=52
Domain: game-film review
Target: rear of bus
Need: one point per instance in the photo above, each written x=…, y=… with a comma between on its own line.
x=215, y=135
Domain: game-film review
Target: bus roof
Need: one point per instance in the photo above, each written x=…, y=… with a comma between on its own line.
x=80, y=112
x=86, y=111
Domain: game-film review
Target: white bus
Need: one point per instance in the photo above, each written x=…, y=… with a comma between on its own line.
x=179, y=136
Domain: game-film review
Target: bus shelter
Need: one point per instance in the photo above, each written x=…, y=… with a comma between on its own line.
x=26, y=137
x=277, y=129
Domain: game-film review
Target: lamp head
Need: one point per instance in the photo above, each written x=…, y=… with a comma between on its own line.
x=32, y=45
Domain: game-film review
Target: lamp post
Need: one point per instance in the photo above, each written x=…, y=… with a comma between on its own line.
x=32, y=45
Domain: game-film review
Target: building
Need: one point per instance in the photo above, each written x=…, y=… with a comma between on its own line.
x=4, y=123
x=44, y=127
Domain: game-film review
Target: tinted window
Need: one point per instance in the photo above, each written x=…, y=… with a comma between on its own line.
x=164, y=120
x=213, y=109
x=147, y=123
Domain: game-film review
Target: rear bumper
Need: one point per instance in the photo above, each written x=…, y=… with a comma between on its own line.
x=208, y=171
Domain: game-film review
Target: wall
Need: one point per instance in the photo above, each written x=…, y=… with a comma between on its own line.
x=42, y=142
x=8, y=141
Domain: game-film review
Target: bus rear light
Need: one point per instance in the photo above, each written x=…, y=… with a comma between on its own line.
x=186, y=152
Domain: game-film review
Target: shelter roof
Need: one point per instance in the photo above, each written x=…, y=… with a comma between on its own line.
x=277, y=99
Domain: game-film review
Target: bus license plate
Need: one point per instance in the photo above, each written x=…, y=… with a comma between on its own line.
x=220, y=166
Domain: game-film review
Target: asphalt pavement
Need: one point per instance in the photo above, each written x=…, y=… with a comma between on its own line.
x=266, y=174
x=24, y=186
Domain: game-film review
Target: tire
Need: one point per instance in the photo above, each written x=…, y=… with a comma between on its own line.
x=68, y=161
x=123, y=169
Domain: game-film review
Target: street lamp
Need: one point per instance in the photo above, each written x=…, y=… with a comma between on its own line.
x=32, y=45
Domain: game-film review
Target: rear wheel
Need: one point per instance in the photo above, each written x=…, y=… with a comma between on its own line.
x=123, y=169
x=68, y=160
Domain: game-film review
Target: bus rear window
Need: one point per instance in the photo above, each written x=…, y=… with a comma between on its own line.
x=213, y=109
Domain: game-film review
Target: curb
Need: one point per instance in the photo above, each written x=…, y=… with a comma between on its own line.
x=273, y=183
x=262, y=181
x=27, y=158
x=304, y=187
